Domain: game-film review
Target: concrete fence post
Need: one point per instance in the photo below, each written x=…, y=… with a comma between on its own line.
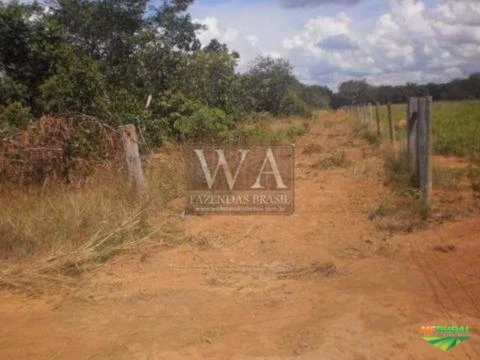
x=391, y=126
x=412, y=113
x=424, y=148
x=136, y=179
x=370, y=113
x=377, y=116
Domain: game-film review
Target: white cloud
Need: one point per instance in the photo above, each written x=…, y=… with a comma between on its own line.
x=406, y=40
x=317, y=29
x=253, y=40
x=231, y=36
x=247, y=44
x=409, y=42
x=449, y=12
x=212, y=30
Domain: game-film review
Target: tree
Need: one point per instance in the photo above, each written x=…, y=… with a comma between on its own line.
x=77, y=85
x=209, y=76
x=354, y=91
x=268, y=81
x=28, y=43
x=316, y=96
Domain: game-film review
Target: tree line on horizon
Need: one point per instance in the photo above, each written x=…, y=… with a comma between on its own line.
x=360, y=92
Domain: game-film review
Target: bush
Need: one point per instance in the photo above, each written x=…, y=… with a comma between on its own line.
x=292, y=105
x=204, y=123
x=11, y=90
x=166, y=109
x=14, y=116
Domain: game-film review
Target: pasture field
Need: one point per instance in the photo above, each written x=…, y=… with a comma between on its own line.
x=456, y=126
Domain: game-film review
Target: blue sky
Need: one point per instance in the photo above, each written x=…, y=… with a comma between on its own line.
x=327, y=42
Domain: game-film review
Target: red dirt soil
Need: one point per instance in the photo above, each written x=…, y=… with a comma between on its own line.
x=324, y=283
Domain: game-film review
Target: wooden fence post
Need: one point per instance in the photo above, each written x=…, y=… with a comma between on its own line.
x=370, y=112
x=136, y=179
x=391, y=126
x=412, y=113
x=424, y=148
x=377, y=115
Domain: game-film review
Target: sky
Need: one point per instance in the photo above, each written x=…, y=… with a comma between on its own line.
x=383, y=41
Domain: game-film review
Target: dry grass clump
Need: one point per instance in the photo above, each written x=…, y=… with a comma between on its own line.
x=336, y=159
x=61, y=230
x=312, y=149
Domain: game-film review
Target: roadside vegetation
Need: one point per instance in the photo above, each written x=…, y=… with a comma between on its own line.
x=52, y=231
x=73, y=71
x=124, y=62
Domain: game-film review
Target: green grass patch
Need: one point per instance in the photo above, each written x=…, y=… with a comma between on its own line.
x=365, y=131
x=384, y=208
x=264, y=129
x=456, y=126
x=334, y=160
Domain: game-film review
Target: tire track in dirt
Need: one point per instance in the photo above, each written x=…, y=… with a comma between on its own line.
x=434, y=277
x=454, y=274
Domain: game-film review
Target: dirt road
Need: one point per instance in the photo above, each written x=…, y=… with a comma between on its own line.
x=324, y=283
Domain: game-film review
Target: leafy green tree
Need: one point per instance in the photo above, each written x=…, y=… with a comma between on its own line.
x=28, y=43
x=11, y=90
x=316, y=96
x=269, y=80
x=77, y=85
x=209, y=76
x=170, y=38
x=354, y=90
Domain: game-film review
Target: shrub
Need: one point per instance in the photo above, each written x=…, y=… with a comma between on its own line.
x=292, y=105
x=204, y=123
x=14, y=115
x=11, y=90
x=167, y=108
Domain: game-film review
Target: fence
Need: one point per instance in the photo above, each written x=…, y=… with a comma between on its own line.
x=418, y=143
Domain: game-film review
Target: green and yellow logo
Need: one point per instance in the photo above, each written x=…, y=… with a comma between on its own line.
x=445, y=337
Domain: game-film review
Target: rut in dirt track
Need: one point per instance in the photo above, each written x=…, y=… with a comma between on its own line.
x=324, y=283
